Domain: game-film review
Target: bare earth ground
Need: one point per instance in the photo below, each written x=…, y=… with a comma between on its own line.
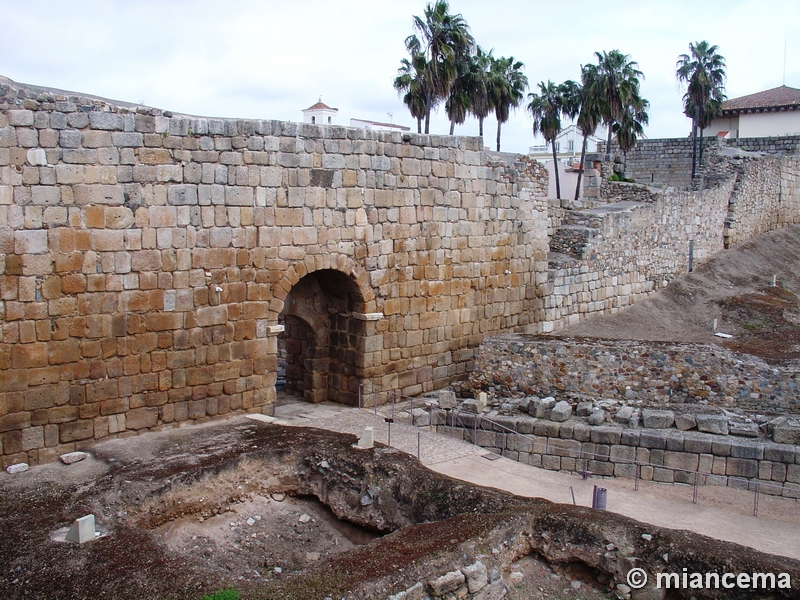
x=735, y=287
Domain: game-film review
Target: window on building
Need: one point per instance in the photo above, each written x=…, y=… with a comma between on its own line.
x=329, y=120
x=313, y=120
x=558, y=147
x=572, y=145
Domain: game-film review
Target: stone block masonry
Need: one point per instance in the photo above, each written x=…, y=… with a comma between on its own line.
x=149, y=261
x=651, y=372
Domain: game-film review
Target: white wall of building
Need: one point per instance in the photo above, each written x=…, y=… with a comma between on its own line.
x=767, y=124
x=722, y=124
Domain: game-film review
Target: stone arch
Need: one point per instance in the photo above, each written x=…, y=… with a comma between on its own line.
x=332, y=261
x=328, y=330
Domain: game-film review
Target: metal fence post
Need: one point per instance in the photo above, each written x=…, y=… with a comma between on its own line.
x=755, y=501
x=694, y=492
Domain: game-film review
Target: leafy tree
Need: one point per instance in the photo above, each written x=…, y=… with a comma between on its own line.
x=617, y=87
x=630, y=127
x=704, y=73
x=589, y=116
x=443, y=39
x=507, y=90
x=480, y=89
x=547, y=108
x=459, y=102
x=411, y=83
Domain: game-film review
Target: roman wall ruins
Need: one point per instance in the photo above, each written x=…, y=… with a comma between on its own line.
x=155, y=266
x=159, y=268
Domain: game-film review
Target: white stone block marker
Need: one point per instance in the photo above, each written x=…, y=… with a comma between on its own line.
x=367, y=438
x=82, y=530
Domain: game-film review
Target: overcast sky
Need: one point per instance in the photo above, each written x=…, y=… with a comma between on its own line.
x=270, y=59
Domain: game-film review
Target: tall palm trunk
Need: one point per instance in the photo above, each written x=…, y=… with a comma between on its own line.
x=480, y=126
x=580, y=170
x=499, y=124
x=608, y=142
x=700, y=162
x=694, y=140
x=555, y=170
x=452, y=127
x=419, y=125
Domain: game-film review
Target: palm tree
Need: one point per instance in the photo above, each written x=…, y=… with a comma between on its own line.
x=410, y=83
x=617, y=87
x=481, y=82
x=704, y=73
x=459, y=101
x=630, y=127
x=443, y=39
x=589, y=116
x=547, y=108
x=507, y=89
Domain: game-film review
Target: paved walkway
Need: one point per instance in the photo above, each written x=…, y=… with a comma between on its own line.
x=721, y=512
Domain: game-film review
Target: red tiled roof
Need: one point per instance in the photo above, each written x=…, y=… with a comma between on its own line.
x=320, y=105
x=779, y=97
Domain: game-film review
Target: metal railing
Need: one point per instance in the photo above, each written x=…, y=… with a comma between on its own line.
x=471, y=424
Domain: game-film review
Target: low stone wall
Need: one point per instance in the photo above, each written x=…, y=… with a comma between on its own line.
x=665, y=162
x=787, y=144
x=668, y=456
x=653, y=372
x=620, y=253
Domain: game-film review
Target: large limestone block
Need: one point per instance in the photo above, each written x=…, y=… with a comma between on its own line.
x=477, y=576
x=449, y=582
x=657, y=419
x=561, y=412
x=712, y=424
x=541, y=407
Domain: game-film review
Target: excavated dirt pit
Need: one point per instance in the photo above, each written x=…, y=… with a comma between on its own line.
x=283, y=512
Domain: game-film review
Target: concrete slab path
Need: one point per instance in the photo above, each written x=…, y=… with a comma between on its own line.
x=720, y=512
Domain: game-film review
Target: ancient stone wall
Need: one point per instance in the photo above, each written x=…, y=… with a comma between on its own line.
x=788, y=144
x=616, y=254
x=149, y=263
x=651, y=372
x=614, y=451
x=661, y=162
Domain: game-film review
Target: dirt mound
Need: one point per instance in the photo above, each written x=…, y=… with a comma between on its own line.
x=138, y=488
x=735, y=289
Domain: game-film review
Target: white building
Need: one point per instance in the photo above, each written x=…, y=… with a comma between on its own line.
x=320, y=114
x=568, y=145
x=377, y=125
x=774, y=112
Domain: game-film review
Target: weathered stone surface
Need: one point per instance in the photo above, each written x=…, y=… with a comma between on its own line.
x=561, y=411
x=476, y=575
x=73, y=457
x=685, y=422
x=597, y=417
x=415, y=592
x=712, y=424
x=449, y=582
x=657, y=419
x=584, y=409
x=624, y=414
x=541, y=407
x=786, y=435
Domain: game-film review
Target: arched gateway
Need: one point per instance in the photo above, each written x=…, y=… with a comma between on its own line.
x=323, y=350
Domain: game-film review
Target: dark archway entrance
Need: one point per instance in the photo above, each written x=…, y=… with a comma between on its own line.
x=318, y=350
